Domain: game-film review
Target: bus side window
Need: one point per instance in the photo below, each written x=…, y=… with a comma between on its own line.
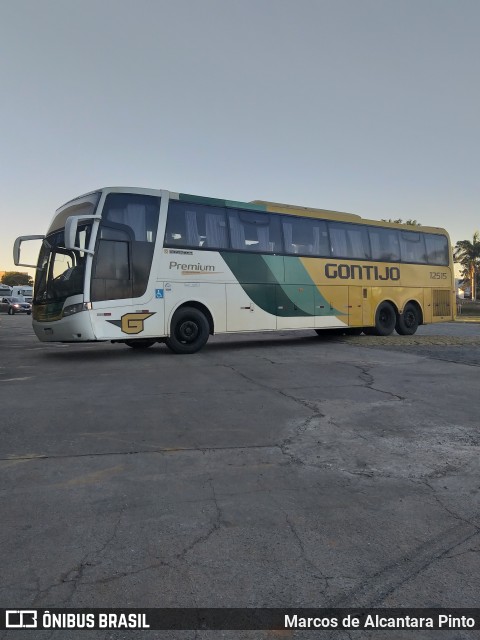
x=215, y=230
x=437, y=249
x=176, y=231
x=255, y=231
x=412, y=247
x=112, y=260
x=349, y=240
x=305, y=236
x=139, y=213
x=125, y=251
x=195, y=225
x=384, y=244
x=111, y=277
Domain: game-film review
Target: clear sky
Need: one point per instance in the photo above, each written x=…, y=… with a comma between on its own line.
x=366, y=106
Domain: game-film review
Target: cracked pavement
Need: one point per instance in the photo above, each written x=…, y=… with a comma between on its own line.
x=267, y=470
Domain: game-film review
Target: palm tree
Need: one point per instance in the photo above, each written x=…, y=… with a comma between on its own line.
x=467, y=254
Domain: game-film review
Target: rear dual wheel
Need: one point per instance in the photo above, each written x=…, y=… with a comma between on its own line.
x=408, y=321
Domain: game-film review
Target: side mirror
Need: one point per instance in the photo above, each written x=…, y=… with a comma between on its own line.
x=16, y=250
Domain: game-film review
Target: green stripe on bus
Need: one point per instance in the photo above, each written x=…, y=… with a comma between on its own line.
x=280, y=286
x=201, y=199
x=187, y=197
x=245, y=205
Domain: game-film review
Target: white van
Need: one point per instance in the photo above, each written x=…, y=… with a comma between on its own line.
x=5, y=291
x=23, y=291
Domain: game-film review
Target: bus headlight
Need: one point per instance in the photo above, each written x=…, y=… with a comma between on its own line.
x=76, y=308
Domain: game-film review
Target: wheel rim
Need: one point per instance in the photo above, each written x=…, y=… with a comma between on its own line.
x=188, y=331
x=409, y=319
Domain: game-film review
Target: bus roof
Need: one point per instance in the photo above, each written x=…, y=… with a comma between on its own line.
x=309, y=212
x=267, y=206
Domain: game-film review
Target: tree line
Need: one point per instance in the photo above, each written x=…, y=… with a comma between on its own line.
x=17, y=278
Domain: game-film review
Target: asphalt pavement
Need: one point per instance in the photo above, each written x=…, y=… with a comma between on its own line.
x=268, y=470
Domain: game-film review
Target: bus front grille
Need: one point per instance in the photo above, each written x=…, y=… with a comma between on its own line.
x=442, y=300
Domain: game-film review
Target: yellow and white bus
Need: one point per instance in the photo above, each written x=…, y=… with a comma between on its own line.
x=141, y=266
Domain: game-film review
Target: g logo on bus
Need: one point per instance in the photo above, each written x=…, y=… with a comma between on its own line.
x=132, y=323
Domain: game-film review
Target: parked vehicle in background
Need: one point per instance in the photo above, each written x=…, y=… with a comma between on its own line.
x=5, y=291
x=15, y=304
x=23, y=291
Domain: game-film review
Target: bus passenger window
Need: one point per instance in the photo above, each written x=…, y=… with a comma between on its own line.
x=349, y=240
x=437, y=249
x=192, y=225
x=384, y=244
x=412, y=247
x=138, y=212
x=305, y=236
x=255, y=231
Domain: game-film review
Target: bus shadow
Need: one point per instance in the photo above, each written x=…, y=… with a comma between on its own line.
x=127, y=354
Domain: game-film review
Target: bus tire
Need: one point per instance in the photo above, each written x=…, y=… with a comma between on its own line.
x=385, y=319
x=142, y=343
x=189, y=331
x=408, y=321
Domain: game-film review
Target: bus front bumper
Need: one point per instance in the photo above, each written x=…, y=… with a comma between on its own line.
x=74, y=328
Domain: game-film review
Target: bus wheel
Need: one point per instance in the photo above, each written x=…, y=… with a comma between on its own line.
x=189, y=331
x=143, y=343
x=408, y=321
x=385, y=319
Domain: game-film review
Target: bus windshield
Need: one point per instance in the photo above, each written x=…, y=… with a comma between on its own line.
x=60, y=271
